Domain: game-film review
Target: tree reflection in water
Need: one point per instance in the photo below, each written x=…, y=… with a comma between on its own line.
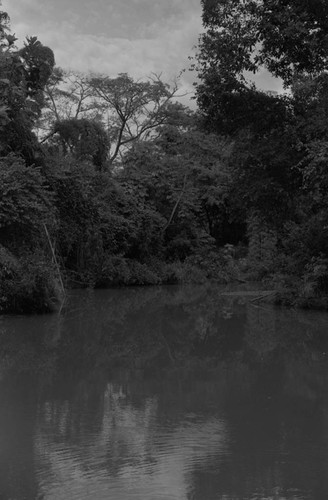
x=172, y=392
x=133, y=453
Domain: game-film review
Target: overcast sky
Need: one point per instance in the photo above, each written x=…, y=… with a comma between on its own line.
x=137, y=37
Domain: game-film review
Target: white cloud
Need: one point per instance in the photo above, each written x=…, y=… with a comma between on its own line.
x=164, y=47
x=138, y=37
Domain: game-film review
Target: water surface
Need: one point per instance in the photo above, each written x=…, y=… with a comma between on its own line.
x=164, y=393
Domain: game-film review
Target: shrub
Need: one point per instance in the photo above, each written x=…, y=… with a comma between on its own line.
x=25, y=202
x=28, y=285
x=217, y=265
x=142, y=274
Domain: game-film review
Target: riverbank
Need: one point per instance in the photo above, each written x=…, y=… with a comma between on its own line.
x=297, y=299
x=32, y=284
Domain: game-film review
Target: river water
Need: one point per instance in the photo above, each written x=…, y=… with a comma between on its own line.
x=164, y=393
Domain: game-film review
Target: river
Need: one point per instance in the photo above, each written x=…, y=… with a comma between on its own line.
x=164, y=393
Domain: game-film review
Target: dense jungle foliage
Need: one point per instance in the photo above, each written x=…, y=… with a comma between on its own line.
x=111, y=181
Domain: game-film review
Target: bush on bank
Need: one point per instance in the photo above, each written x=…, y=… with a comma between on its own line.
x=28, y=284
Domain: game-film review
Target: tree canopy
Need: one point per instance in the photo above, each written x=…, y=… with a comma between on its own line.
x=24, y=74
x=285, y=37
x=243, y=37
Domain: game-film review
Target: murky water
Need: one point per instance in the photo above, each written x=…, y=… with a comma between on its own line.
x=164, y=394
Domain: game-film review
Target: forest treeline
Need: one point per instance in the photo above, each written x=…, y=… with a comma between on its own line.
x=108, y=181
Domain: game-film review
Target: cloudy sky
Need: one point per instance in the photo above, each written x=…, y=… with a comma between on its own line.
x=137, y=37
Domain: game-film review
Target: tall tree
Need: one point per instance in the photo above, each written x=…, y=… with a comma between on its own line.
x=132, y=109
x=285, y=37
x=24, y=73
x=67, y=95
x=182, y=174
x=245, y=36
x=128, y=110
x=82, y=138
